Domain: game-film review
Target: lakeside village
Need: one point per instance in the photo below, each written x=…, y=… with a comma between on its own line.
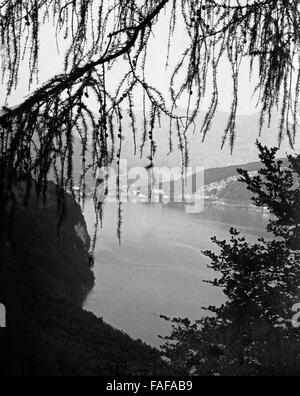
x=138, y=194
x=173, y=192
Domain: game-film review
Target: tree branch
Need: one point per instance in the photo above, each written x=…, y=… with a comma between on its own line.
x=59, y=83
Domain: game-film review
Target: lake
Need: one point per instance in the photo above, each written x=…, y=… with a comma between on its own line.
x=159, y=269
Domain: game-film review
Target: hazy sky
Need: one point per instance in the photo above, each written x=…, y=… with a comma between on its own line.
x=51, y=63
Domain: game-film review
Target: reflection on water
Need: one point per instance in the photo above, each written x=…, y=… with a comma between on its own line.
x=160, y=267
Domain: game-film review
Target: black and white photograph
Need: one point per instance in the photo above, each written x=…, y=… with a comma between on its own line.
x=149, y=191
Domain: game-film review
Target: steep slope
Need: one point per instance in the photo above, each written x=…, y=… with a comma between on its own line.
x=224, y=183
x=44, y=277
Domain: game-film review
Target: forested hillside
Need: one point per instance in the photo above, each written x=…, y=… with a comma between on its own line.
x=45, y=275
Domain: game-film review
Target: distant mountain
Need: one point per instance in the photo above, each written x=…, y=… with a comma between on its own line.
x=224, y=184
x=220, y=166
x=216, y=175
x=220, y=183
x=233, y=192
x=207, y=154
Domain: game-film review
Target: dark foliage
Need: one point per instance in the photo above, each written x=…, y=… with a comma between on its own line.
x=37, y=136
x=252, y=333
x=44, y=278
x=278, y=189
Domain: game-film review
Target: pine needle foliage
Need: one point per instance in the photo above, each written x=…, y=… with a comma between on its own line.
x=37, y=136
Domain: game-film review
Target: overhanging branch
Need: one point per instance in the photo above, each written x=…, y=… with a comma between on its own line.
x=61, y=82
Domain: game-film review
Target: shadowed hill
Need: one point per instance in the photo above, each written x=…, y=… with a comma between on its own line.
x=44, y=278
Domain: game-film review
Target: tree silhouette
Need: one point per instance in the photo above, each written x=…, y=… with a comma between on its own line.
x=37, y=136
x=252, y=332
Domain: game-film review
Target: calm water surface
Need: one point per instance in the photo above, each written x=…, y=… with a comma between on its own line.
x=160, y=267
